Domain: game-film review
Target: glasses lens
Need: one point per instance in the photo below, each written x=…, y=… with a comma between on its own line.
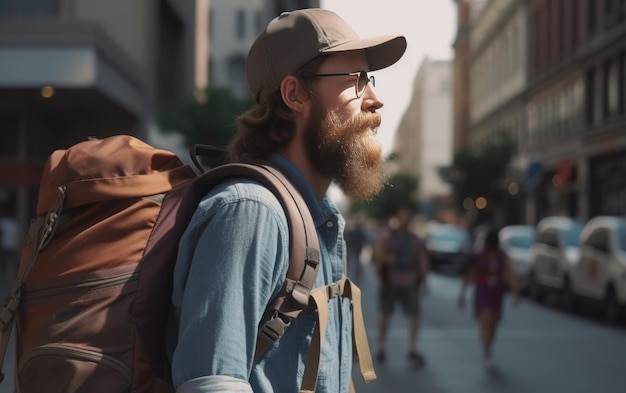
x=361, y=81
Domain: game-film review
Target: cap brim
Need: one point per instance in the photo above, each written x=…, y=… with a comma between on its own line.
x=381, y=51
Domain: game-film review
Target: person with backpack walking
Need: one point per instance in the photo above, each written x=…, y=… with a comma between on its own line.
x=403, y=267
x=356, y=239
x=315, y=120
x=491, y=274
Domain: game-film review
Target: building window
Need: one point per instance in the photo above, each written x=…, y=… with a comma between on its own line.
x=575, y=27
x=553, y=117
x=589, y=96
x=591, y=16
x=514, y=47
x=541, y=123
x=533, y=45
x=611, y=89
x=622, y=83
x=548, y=38
x=561, y=30
x=610, y=14
x=560, y=113
x=240, y=24
x=614, y=13
x=506, y=58
x=237, y=76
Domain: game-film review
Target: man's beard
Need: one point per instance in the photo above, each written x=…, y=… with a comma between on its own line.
x=346, y=151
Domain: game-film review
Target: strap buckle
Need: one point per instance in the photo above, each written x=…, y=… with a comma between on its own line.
x=302, y=288
x=334, y=290
x=274, y=328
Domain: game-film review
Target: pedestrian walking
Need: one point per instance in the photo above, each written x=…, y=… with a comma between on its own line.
x=315, y=120
x=355, y=241
x=491, y=275
x=403, y=266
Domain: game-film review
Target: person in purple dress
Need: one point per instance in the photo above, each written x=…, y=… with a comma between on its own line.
x=492, y=277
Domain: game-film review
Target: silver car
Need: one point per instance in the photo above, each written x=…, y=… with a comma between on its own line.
x=553, y=256
x=449, y=248
x=600, y=274
x=516, y=242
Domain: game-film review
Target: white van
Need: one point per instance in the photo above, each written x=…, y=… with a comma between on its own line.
x=600, y=274
x=553, y=256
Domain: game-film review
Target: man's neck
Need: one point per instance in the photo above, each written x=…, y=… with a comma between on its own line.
x=298, y=157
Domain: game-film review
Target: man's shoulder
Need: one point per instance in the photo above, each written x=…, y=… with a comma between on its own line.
x=241, y=191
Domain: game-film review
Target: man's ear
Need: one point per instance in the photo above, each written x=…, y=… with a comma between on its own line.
x=293, y=93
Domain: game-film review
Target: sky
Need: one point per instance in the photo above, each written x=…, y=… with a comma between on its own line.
x=429, y=27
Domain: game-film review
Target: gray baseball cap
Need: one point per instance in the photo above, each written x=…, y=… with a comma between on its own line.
x=295, y=38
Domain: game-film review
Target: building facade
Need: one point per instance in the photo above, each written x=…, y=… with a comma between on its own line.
x=74, y=69
x=235, y=24
x=562, y=96
x=497, y=84
x=424, y=139
x=577, y=115
x=602, y=55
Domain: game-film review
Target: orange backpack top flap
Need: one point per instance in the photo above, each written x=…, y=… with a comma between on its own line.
x=116, y=167
x=106, y=182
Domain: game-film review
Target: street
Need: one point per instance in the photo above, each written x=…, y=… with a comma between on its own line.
x=539, y=348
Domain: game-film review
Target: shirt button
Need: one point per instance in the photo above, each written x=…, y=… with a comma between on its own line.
x=330, y=224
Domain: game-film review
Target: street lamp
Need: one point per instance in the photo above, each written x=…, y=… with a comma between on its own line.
x=47, y=92
x=481, y=203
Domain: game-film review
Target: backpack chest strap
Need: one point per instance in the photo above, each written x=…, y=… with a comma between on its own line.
x=319, y=300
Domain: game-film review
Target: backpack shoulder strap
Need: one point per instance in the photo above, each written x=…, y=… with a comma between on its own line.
x=304, y=248
x=319, y=298
x=159, y=257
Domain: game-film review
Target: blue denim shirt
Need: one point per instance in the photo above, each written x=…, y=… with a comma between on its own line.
x=232, y=262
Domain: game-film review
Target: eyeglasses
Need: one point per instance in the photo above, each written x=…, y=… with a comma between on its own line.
x=361, y=80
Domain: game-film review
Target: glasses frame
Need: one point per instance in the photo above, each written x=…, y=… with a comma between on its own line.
x=359, y=75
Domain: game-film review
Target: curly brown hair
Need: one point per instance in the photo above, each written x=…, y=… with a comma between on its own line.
x=269, y=126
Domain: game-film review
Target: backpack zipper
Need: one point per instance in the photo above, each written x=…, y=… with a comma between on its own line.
x=80, y=354
x=93, y=284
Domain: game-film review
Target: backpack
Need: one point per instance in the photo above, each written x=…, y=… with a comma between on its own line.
x=94, y=281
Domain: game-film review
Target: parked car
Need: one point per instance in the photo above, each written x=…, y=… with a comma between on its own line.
x=516, y=242
x=600, y=274
x=553, y=256
x=449, y=247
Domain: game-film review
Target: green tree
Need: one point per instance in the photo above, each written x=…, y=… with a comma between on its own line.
x=479, y=172
x=398, y=191
x=211, y=122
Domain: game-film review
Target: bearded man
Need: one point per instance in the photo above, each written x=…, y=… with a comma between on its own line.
x=315, y=120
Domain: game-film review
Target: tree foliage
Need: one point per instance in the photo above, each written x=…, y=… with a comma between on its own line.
x=399, y=191
x=479, y=172
x=211, y=122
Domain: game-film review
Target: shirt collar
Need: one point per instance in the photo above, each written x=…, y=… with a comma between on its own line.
x=321, y=210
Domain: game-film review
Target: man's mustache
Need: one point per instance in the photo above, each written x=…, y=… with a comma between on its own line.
x=364, y=120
